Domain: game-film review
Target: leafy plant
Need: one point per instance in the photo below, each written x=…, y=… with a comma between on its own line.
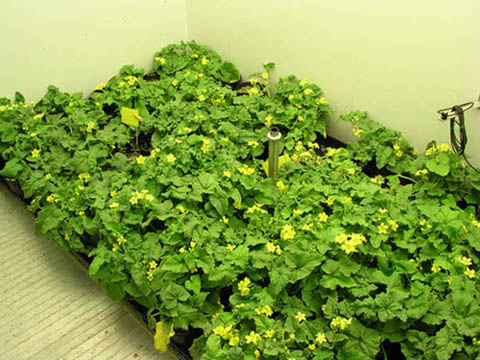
x=326, y=262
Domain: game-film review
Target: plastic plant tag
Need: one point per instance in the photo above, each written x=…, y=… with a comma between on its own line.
x=130, y=116
x=281, y=160
x=162, y=339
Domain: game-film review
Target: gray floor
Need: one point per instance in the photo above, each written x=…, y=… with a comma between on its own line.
x=50, y=308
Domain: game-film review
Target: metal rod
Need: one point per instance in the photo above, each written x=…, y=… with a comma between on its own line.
x=274, y=137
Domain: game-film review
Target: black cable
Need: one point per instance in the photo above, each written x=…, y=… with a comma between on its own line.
x=458, y=145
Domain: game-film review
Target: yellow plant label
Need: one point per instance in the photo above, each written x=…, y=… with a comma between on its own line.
x=130, y=116
x=161, y=339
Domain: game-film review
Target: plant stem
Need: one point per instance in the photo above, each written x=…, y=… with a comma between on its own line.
x=407, y=178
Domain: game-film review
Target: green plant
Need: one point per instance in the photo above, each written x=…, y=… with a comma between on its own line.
x=324, y=263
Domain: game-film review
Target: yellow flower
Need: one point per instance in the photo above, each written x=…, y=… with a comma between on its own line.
x=205, y=61
x=357, y=239
x=101, y=86
x=223, y=332
x=113, y=193
x=257, y=353
x=291, y=97
x=349, y=247
x=182, y=250
x=271, y=247
x=351, y=171
x=253, y=338
x=140, y=159
x=48, y=176
x=245, y=170
x=269, y=334
x=171, y=158
x=227, y=173
x=307, y=227
x=393, y=224
x=287, y=232
x=321, y=101
x=161, y=60
x=153, y=264
x=341, y=238
x=206, y=145
x=323, y=217
x=253, y=144
x=281, y=185
x=231, y=247
x=268, y=120
x=297, y=212
x=382, y=228
x=115, y=247
x=341, y=322
x=175, y=82
x=81, y=213
x=475, y=223
x=35, y=153
x=51, y=198
x=150, y=275
x=225, y=219
x=300, y=317
x=329, y=201
x=243, y=287
x=114, y=205
x=278, y=250
x=133, y=200
x=321, y=338
x=38, y=116
x=201, y=97
x=253, y=91
x=435, y=268
x=464, y=260
x=357, y=132
x=382, y=211
x=308, y=91
x=234, y=340
x=149, y=197
x=398, y=153
x=265, y=75
x=256, y=207
x=470, y=273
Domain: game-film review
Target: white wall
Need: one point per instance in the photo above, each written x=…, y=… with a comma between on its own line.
x=76, y=44
x=400, y=60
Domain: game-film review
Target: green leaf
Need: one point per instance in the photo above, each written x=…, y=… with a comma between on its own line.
x=115, y=291
x=332, y=281
x=174, y=264
x=207, y=183
x=12, y=168
x=388, y=307
x=83, y=162
x=48, y=218
x=95, y=265
x=229, y=72
x=440, y=164
x=173, y=294
x=194, y=284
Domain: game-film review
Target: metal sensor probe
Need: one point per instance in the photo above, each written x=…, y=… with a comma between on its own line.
x=274, y=137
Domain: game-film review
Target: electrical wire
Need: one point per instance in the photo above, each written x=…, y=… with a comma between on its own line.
x=457, y=118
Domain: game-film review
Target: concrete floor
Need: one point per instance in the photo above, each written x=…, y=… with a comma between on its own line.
x=51, y=309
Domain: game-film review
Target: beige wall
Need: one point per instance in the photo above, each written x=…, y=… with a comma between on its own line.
x=75, y=44
x=401, y=60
